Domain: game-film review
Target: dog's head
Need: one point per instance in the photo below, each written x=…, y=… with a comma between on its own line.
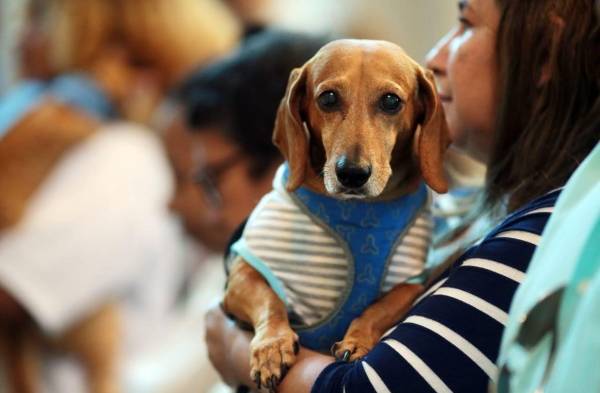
x=361, y=119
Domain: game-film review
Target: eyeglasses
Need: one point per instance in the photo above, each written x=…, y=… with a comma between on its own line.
x=209, y=177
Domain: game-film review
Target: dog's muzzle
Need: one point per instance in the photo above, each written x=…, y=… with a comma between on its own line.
x=350, y=174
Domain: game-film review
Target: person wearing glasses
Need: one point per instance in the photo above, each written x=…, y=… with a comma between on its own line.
x=219, y=140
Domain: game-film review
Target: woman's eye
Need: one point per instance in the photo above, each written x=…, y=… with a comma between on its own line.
x=328, y=100
x=390, y=103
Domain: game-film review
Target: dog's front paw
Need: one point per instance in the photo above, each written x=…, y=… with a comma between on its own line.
x=350, y=349
x=272, y=354
x=357, y=342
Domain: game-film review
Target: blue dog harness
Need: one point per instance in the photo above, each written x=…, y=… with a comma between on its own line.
x=336, y=256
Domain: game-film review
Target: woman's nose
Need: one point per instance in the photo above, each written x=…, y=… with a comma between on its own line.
x=437, y=58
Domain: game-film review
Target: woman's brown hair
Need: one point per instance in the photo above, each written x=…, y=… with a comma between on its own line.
x=548, y=59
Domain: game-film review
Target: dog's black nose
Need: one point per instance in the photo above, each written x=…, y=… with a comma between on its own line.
x=350, y=174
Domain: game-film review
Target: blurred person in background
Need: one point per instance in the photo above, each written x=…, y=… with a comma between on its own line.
x=254, y=15
x=91, y=264
x=220, y=137
x=131, y=51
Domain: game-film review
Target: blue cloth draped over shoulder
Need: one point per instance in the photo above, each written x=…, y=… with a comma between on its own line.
x=73, y=89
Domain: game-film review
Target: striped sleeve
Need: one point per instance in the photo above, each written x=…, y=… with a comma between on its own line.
x=450, y=339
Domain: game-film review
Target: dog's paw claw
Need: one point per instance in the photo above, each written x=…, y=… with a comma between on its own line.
x=346, y=356
x=296, y=347
x=256, y=379
x=269, y=384
x=348, y=350
x=273, y=382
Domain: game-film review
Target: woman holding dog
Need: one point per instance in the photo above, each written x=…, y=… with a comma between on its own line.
x=519, y=84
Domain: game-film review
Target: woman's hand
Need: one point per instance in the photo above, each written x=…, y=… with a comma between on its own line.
x=228, y=348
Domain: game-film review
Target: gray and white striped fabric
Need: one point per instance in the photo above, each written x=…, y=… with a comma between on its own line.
x=311, y=264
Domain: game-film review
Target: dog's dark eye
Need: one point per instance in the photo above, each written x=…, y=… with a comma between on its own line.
x=328, y=100
x=390, y=103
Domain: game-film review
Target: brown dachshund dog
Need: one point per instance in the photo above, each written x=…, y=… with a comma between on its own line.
x=361, y=120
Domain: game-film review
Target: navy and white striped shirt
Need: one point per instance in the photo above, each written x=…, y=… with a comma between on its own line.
x=450, y=339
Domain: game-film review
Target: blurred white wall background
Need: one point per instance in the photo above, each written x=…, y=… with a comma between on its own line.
x=414, y=24
x=10, y=21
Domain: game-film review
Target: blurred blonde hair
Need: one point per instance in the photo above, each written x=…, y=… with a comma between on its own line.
x=172, y=36
x=178, y=34
x=77, y=31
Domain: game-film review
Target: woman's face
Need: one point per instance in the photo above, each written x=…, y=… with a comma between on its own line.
x=464, y=64
x=214, y=192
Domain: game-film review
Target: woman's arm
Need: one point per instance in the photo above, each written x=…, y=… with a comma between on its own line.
x=228, y=348
x=302, y=376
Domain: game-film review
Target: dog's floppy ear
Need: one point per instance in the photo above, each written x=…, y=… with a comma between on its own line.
x=290, y=135
x=431, y=137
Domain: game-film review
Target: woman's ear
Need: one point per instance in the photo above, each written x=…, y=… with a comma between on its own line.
x=290, y=135
x=431, y=136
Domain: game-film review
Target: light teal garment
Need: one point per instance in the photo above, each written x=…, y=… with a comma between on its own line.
x=18, y=102
x=566, y=358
